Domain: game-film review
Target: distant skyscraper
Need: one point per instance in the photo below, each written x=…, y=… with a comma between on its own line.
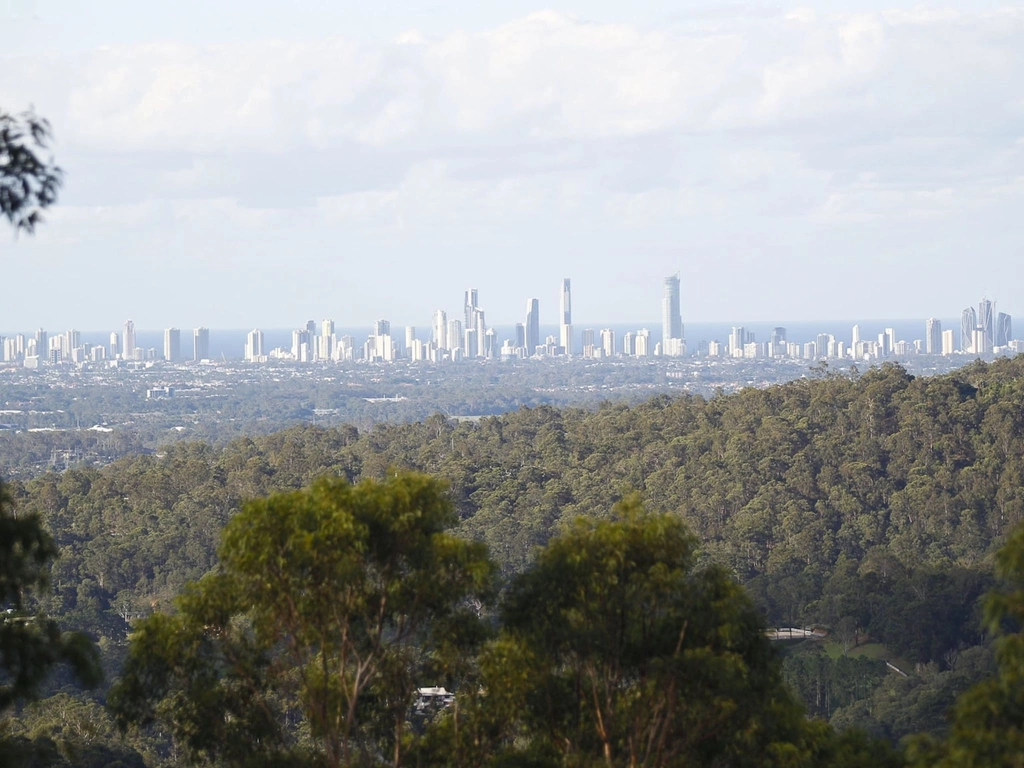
x=948, y=342
x=987, y=324
x=1004, y=330
x=470, y=303
x=439, y=329
x=201, y=344
x=490, y=344
x=42, y=343
x=115, y=344
x=671, y=319
x=588, y=345
x=172, y=345
x=254, y=345
x=643, y=343
x=520, y=337
x=933, y=336
x=300, y=345
x=72, y=341
x=968, y=324
x=454, y=336
x=532, y=326
x=480, y=326
x=327, y=340
x=608, y=342
x=128, y=341
x=737, y=340
x=565, y=316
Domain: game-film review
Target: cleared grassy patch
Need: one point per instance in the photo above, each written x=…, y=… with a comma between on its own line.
x=867, y=650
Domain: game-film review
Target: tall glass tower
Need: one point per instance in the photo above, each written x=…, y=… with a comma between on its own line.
x=986, y=324
x=128, y=341
x=532, y=326
x=671, y=319
x=1004, y=329
x=933, y=336
x=968, y=325
x=565, y=320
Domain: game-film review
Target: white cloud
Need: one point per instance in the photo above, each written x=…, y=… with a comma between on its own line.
x=544, y=77
x=779, y=135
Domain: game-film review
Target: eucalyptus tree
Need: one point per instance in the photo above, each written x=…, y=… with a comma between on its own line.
x=330, y=606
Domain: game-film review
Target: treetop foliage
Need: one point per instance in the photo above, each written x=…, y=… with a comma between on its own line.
x=871, y=505
x=328, y=605
x=29, y=182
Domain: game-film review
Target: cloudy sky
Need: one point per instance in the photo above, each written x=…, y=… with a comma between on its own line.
x=263, y=163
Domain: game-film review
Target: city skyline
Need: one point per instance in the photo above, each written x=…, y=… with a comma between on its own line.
x=983, y=332
x=670, y=309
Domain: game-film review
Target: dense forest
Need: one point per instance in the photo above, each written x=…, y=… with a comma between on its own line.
x=869, y=506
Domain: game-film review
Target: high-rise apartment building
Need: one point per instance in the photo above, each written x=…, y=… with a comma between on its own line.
x=1004, y=330
x=978, y=344
x=42, y=343
x=455, y=340
x=671, y=318
x=565, y=317
x=72, y=341
x=588, y=346
x=470, y=303
x=948, y=342
x=301, y=345
x=480, y=327
x=738, y=339
x=474, y=322
x=326, y=343
x=986, y=323
x=968, y=324
x=201, y=344
x=628, y=346
x=532, y=326
x=643, y=343
x=254, y=346
x=128, y=341
x=490, y=344
x=608, y=342
x=439, y=329
x=933, y=336
x=172, y=345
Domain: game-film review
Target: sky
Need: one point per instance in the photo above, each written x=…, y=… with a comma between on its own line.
x=241, y=164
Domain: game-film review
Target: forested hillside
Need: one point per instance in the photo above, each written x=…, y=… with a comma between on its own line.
x=871, y=506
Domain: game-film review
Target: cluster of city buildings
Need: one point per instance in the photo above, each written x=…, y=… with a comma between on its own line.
x=468, y=337
x=43, y=348
x=982, y=332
